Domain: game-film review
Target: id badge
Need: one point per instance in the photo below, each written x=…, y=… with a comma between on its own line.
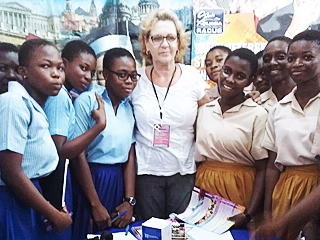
x=161, y=135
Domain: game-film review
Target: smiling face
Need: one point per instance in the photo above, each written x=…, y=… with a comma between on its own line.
x=304, y=61
x=79, y=71
x=214, y=62
x=44, y=72
x=163, y=52
x=8, y=69
x=275, y=60
x=118, y=89
x=235, y=75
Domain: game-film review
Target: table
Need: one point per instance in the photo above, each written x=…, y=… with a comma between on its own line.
x=238, y=234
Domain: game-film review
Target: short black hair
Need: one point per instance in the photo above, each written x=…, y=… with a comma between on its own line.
x=280, y=38
x=248, y=55
x=73, y=48
x=308, y=35
x=8, y=47
x=28, y=48
x=114, y=53
x=259, y=54
x=220, y=47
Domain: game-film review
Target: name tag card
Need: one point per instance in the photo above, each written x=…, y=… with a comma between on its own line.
x=161, y=135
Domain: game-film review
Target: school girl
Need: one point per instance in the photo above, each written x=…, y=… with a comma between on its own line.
x=263, y=85
x=80, y=63
x=27, y=151
x=230, y=130
x=106, y=170
x=214, y=61
x=274, y=63
x=292, y=169
x=8, y=65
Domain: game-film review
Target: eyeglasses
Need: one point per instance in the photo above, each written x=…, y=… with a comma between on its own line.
x=157, y=39
x=123, y=76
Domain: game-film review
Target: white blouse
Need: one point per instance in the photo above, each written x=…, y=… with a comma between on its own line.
x=179, y=111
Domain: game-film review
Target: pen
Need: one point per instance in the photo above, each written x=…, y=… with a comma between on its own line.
x=127, y=229
x=119, y=216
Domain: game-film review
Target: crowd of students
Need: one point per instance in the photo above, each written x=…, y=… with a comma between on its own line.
x=141, y=135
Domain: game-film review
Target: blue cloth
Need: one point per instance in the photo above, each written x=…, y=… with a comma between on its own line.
x=24, y=130
x=61, y=114
x=93, y=87
x=17, y=220
x=61, y=118
x=112, y=145
x=108, y=182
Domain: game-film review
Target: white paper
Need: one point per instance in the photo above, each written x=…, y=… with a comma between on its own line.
x=116, y=236
x=122, y=236
x=64, y=183
x=198, y=233
x=210, y=212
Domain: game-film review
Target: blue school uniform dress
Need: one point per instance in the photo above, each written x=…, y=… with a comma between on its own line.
x=105, y=155
x=24, y=130
x=61, y=117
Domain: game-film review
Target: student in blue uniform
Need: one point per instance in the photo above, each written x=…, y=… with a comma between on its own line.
x=27, y=151
x=106, y=170
x=80, y=63
x=8, y=65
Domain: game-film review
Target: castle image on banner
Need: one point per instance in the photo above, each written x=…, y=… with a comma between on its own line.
x=18, y=23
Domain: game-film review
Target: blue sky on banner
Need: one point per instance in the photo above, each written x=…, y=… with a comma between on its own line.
x=56, y=7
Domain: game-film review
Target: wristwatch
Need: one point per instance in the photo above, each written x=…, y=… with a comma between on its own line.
x=130, y=200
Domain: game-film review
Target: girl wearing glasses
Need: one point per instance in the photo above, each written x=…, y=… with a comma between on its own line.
x=106, y=170
x=165, y=104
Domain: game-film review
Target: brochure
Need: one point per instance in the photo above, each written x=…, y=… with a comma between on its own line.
x=209, y=211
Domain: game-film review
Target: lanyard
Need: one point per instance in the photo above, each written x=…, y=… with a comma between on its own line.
x=155, y=91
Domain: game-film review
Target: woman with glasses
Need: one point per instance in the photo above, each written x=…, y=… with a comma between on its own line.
x=165, y=104
x=106, y=170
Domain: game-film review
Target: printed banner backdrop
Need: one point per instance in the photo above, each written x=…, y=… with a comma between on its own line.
x=248, y=23
x=239, y=31
x=234, y=23
x=90, y=20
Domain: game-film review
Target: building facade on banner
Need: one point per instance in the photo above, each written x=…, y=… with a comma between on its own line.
x=119, y=11
x=17, y=22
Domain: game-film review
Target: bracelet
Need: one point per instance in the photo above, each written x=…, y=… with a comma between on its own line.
x=247, y=215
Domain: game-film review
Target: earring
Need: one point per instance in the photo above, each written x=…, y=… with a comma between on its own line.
x=24, y=77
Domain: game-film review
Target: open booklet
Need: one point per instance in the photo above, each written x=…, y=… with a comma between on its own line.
x=210, y=211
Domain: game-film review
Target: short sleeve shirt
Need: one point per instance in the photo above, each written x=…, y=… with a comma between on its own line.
x=61, y=114
x=232, y=137
x=179, y=111
x=268, y=100
x=112, y=145
x=24, y=129
x=290, y=131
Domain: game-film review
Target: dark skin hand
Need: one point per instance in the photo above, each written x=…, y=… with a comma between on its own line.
x=241, y=221
x=71, y=149
x=129, y=176
x=82, y=172
x=15, y=179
